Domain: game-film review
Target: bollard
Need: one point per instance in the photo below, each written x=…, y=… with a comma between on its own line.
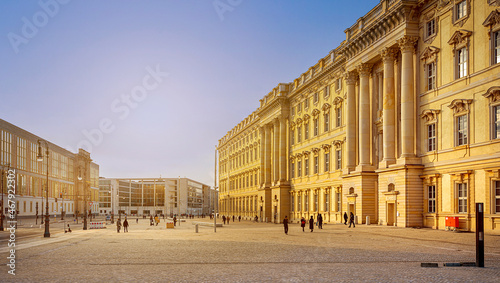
x=196, y=228
x=266, y=219
x=368, y=220
x=479, y=234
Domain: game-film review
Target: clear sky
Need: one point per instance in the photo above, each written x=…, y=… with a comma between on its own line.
x=149, y=87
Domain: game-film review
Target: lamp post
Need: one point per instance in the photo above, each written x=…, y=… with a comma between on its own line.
x=84, y=195
x=40, y=159
x=2, y=212
x=62, y=206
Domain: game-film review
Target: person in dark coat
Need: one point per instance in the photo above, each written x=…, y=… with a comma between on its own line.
x=151, y=220
x=125, y=225
x=175, y=220
x=302, y=223
x=233, y=218
x=285, y=224
x=320, y=221
x=224, y=219
x=345, y=218
x=311, y=223
x=239, y=218
x=351, y=221
x=118, y=226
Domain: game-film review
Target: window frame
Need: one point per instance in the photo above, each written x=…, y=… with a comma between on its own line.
x=431, y=76
x=462, y=201
x=459, y=141
x=461, y=66
x=327, y=161
x=431, y=199
x=316, y=164
x=496, y=196
x=431, y=140
x=338, y=159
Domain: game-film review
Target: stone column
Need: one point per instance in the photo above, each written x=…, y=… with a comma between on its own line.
x=407, y=45
x=364, y=71
x=276, y=150
x=389, y=127
x=268, y=156
x=262, y=152
x=351, y=121
x=283, y=150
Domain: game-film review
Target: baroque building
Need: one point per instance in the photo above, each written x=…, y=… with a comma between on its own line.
x=400, y=124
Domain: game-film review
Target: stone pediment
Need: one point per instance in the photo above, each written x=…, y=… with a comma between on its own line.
x=493, y=19
x=460, y=105
x=459, y=37
x=429, y=53
x=493, y=94
x=429, y=115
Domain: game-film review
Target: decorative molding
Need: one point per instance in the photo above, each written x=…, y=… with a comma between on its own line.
x=315, y=112
x=351, y=77
x=430, y=115
x=493, y=94
x=306, y=118
x=388, y=54
x=315, y=150
x=493, y=20
x=407, y=43
x=364, y=69
x=337, y=143
x=460, y=105
x=338, y=101
x=326, y=147
x=460, y=37
x=326, y=107
x=429, y=54
x=494, y=2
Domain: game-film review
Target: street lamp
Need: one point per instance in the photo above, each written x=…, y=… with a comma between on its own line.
x=39, y=158
x=84, y=195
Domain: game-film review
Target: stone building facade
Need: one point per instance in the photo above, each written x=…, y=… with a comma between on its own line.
x=400, y=125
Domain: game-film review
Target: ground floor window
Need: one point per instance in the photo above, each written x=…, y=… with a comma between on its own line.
x=497, y=196
x=462, y=198
x=431, y=203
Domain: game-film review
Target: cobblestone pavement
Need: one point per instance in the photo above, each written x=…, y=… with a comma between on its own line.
x=249, y=252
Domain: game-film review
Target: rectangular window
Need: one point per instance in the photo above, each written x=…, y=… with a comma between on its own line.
x=338, y=158
x=496, y=47
x=299, y=108
x=316, y=164
x=306, y=165
x=462, y=62
x=293, y=203
x=299, y=203
x=327, y=202
x=316, y=122
x=255, y=179
x=327, y=122
x=306, y=199
x=496, y=122
x=292, y=170
x=462, y=130
x=293, y=111
x=315, y=98
x=326, y=92
x=461, y=10
x=339, y=116
x=430, y=28
x=339, y=201
x=431, y=76
x=306, y=103
x=327, y=162
x=299, y=134
x=292, y=137
x=306, y=131
x=462, y=197
x=316, y=197
x=497, y=196
x=339, y=83
x=431, y=137
x=431, y=203
x=299, y=169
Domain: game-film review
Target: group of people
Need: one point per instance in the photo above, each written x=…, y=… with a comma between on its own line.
x=226, y=219
x=318, y=222
x=153, y=221
x=119, y=225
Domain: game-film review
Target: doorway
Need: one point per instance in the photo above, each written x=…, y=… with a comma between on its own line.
x=391, y=211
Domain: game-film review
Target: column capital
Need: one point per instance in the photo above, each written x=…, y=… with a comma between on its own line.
x=364, y=69
x=407, y=43
x=350, y=77
x=388, y=54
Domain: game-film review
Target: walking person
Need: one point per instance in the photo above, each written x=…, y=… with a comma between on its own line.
x=224, y=219
x=345, y=218
x=311, y=223
x=239, y=218
x=118, y=225
x=320, y=221
x=351, y=221
x=175, y=220
x=285, y=225
x=302, y=223
x=125, y=225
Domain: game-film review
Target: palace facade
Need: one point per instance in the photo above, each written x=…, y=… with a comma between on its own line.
x=400, y=125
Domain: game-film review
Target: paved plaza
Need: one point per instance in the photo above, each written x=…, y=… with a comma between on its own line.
x=246, y=252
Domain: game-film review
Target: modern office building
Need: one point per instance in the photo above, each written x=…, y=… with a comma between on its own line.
x=72, y=177
x=399, y=124
x=151, y=196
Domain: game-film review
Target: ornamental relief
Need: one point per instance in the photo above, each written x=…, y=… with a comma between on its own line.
x=315, y=112
x=430, y=115
x=494, y=2
x=315, y=150
x=460, y=105
x=493, y=20
x=459, y=38
x=338, y=101
x=493, y=94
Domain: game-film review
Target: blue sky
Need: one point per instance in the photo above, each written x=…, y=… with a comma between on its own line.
x=151, y=86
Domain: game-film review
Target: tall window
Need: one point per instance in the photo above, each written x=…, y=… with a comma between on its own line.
x=299, y=108
x=327, y=91
x=316, y=164
x=299, y=134
x=292, y=170
x=339, y=84
x=299, y=203
x=496, y=122
x=431, y=137
x=338, y=159
x=339, y=201
x=460, y=10
x=431, y=76
x=327, y=202
x=462, y=62
x=430, y=28
x=299, y=168
x=496, y=47
x=316, y=206
x=461, y=130
x=306, y=103
x=431, y=203
x=338, y=117
x=497, y=196
x=306, y=200
x=306, y=131
x=327, y=122
x=292, y=136
x=315, y=98
x=462, y=197
x=327, y=162
x=316, y=122
x=293, y=203
x=306, y=167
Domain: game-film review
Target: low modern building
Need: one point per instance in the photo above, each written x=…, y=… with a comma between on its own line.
x=399, y=125
x=151, y=196
x=72, y=177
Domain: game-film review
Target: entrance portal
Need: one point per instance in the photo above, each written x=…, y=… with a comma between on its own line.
x=390, y=214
